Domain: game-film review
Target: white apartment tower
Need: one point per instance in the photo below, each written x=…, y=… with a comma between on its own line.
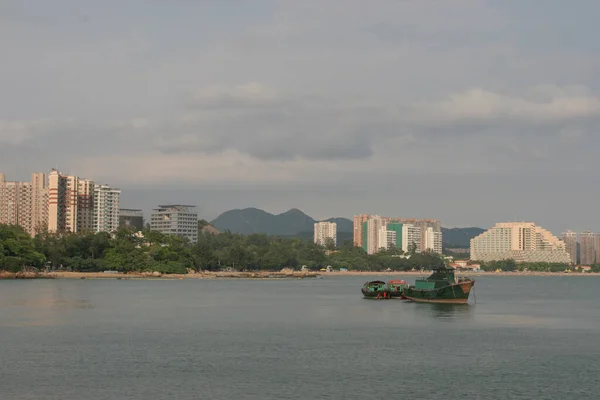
x=411, y=235
x=520, y=241
x=106, y=208
x=433, y=240
x=175, y=219
x=324, y=230
x=386, y=239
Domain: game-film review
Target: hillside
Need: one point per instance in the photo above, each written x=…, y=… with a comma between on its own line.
x=459, y=237
x=254, y=220
x=295, y=223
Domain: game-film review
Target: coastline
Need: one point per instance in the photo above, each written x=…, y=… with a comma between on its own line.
x=262, y=275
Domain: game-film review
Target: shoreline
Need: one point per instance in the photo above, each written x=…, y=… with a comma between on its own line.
x=262, y=275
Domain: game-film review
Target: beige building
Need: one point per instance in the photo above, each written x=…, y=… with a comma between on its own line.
x=70, y=203
x=521, y=241
x=373, y=227
x=587, y=255
x=324, y=230
x=570, y=239
x=359, y=220
x=597, y=245
x=106, y=205
x=24, y=203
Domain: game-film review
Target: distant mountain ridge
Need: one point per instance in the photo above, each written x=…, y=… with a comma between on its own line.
x=254, y=220
x=296, y=223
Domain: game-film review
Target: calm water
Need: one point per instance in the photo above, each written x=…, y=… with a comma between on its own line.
x=526, y=338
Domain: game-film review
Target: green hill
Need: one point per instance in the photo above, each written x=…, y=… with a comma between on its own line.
x=253, y=220
x=459, y=237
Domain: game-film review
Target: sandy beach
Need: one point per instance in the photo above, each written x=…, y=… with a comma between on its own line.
x=262, y=275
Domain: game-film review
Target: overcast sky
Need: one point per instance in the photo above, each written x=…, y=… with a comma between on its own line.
x=469, y=111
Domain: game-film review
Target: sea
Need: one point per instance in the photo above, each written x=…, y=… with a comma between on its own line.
x=522, y=337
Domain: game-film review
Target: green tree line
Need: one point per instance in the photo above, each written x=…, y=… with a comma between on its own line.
x=512, y=265
x=153, y=251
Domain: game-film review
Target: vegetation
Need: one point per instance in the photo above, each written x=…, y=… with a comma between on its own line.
x=152, y=251
x=511, y=265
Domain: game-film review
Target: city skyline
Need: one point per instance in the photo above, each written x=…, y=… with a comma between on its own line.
x=36, y=178
x=470, y=112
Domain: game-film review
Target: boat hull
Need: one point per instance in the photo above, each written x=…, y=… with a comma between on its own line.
x=457, y=293
x=381, y=294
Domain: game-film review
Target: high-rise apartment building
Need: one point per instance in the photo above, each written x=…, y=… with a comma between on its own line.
x=131, y=219
x=323, y=231
x=587, y=254
x=85, y=205
x=175, y=219
x=433, y=240
x=370, y=233
x=387, y=238
x=359, y=220
x=70, y=203
x=39, y=202
x=597, y=246
x=106, y=208
x=423, y=224
x=423, y=233
x=24, y=203
x=411, y=238
x=570, y=239
x=520, y=241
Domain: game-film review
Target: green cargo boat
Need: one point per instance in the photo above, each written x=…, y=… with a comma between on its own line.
x=376, y=290
x=440, y=287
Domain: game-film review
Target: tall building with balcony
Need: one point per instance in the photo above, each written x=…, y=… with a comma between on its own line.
x=597, y=246
x=433, y=240
x=131, y=219
x=325, y=230
x=24, y=203
x=411, y=238
x=520, y=241
x=359, y=220
x=370, y=233
x=387, y=238
x=106, y=208
x=70, y=203
x=85, y=205
x=570, y=239
x=587, y=255
x=175, y=219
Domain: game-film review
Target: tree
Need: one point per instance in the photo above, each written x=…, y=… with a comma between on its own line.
x=329, y=244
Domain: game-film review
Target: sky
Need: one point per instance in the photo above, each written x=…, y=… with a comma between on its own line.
x=468, y=111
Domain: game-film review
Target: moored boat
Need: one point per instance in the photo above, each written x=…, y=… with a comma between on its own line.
x=376, y=290
x=442, y=286
x=397, y=287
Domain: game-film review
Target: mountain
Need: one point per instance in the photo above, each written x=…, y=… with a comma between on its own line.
x=253, y=220
x=459, y=237
x=295, y=223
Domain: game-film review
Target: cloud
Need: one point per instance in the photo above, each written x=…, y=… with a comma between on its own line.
x=336, y=94
x=547, y=104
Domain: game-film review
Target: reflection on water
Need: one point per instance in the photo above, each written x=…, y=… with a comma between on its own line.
x=446, y=311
